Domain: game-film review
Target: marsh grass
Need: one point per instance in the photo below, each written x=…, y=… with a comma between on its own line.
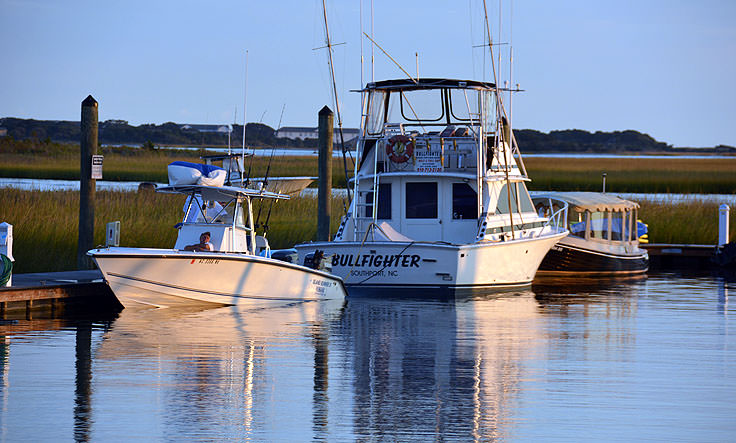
x=121, y=165
x=634, y=174
x=691, y=222
x=46, y=230
x=45, y=224
x=43, y=159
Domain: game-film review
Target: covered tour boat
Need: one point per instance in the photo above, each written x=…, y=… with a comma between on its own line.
x=604, y=235
x=439, y=194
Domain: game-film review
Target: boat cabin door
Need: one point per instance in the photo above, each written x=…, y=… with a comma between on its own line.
x=420, y=212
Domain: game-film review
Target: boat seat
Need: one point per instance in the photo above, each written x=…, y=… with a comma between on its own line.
x=447, y=132
x=460, y=132
x=386, y=232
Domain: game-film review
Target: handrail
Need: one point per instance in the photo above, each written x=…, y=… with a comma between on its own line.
x=557, y=219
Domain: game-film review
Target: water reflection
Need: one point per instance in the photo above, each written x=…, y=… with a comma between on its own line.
x=565, y=360
x=441, y=370
x=83, y=391
x=225, y=372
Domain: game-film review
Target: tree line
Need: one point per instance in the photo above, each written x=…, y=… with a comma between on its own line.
x=120, y=132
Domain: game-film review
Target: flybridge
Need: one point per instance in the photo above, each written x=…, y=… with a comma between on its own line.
x=429, y=83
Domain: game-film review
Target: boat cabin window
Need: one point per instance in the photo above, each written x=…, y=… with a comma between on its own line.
x=376, y=112
x=576, y=223
x=599, y=225
x=464, y=202
x=520, y=200
x=421, y=200
x=415, y=106
x=464, y=105
x=618, y=226
x=384, y=202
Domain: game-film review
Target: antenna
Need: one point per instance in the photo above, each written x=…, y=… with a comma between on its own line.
x=360, y=3
x=391, y=58
x=373, y=57
x=245, y=112
x=416, y=55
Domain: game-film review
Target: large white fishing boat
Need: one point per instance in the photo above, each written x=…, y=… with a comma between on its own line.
x=440, y=200
x=236, y=270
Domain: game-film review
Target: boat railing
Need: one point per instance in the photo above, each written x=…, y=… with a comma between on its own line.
x=433, y=153
x=556, y=212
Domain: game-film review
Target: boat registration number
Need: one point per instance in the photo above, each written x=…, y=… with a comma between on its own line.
x=205, y=261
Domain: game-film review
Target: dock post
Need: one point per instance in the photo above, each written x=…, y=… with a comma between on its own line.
x=6, y=249
x=87, y=185
x=723, y=219
x=324, y=197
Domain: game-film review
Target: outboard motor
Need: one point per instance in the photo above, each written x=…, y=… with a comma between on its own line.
x=317, y=260
x=287, y=255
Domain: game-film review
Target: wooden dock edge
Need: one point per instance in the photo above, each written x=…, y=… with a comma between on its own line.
x=87, y=296
x=665, y=256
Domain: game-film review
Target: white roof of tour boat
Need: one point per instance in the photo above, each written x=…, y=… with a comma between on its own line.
x=590, y=201
x=221, y=192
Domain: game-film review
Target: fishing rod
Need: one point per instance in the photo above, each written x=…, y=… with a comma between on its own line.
x=265, y=179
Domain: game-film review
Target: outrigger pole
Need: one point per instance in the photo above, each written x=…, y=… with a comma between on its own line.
x=337, y=101
x=500, y=130
x=245, y=122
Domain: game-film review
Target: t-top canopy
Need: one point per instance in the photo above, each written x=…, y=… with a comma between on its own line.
x=589, y=201
x=428, y=83
x=220, y=193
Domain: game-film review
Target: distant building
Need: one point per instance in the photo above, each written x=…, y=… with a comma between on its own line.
x=206, y=128
x=295, y=132
x=3, y=132
x=115, y=122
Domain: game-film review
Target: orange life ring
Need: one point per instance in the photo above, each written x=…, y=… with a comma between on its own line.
x=399, y=148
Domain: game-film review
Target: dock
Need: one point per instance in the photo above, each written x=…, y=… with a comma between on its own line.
x=55, y=292
x=663, y=256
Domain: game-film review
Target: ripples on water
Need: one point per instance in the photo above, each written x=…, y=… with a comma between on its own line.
x=647, y=359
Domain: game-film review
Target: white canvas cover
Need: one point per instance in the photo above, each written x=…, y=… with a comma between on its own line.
x=185, y=173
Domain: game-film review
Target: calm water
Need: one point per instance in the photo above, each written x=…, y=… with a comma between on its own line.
x=28, y=184
x=646, y=360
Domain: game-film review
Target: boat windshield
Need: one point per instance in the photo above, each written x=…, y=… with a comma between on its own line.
x=519, y=199
x=428, y=110
x=610, y=225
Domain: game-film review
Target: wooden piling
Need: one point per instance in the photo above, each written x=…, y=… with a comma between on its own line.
x=87, y=185
x=324, y=197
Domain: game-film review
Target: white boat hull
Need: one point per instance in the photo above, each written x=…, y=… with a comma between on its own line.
x=434, y=266
x=164, y=277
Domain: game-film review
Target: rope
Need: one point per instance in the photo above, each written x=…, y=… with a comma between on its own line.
x=374, y=226
x=7, y=269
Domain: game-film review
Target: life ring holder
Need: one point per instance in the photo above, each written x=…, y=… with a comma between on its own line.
x=400, y=148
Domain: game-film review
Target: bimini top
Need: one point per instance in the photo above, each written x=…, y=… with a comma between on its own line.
x=220, y=193
x=408, y=84
x=589, y=201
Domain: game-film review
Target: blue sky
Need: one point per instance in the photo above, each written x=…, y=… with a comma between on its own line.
x=663, y=67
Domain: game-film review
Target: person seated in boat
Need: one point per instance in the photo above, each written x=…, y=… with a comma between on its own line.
x=203, y=245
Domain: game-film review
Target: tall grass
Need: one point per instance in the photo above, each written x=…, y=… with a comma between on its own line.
x=691, y=222
x=121, y=165
x=44, y=159
x=45, y=224
x=634, y=174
